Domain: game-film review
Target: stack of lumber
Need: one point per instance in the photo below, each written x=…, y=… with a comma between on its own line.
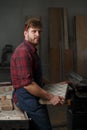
x=6, y=97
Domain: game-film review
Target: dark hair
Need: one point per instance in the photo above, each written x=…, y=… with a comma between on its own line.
x=33, y=22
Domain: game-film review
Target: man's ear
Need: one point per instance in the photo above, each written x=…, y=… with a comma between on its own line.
x=25, y=32
x=25, y=35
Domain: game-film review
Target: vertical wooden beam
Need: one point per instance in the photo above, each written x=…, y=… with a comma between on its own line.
x=55, y=32
x=81, y=44
x=60, y=52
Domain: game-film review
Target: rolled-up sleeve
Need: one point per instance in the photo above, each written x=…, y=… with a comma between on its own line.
x=22, y=69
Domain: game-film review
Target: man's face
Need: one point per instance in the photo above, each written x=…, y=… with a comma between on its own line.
x=33, y=35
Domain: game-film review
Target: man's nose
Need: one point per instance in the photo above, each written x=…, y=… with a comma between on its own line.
x=38, y=33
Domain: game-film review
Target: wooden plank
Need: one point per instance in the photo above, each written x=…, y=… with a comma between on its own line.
x=68, y=62
x=58, y=35
x=55, y=67
x=55, y=29
x=66, y=37
x=55, y=21
x=81, y=44
x=59, y=89
x=67, y=53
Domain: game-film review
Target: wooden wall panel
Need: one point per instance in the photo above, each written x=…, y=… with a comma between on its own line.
x=58, y=35
x=55, y=65
x=81, y=44
x=55, y=30
x=68, y=62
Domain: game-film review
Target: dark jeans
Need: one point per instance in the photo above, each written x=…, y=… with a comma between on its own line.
x=34, y=110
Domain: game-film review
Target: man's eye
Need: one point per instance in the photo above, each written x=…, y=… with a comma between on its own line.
x=34, y=31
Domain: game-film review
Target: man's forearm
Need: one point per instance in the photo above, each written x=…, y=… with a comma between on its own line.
x=36, y=90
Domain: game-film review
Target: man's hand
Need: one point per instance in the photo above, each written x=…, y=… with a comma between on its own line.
x=56, y=100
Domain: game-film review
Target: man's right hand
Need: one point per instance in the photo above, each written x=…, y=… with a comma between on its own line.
x=56, y=100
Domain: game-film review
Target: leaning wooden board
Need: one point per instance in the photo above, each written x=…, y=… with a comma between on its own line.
x=81, y=43
x=56, y=89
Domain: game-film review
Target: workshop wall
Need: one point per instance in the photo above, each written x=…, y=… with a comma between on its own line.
x=13, y=14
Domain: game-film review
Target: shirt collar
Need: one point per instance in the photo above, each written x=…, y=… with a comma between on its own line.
x=33, y=49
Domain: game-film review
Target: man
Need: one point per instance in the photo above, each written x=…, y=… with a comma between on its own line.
x=26, y=77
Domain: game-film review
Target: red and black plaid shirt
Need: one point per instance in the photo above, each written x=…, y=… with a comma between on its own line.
x=24, y=65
